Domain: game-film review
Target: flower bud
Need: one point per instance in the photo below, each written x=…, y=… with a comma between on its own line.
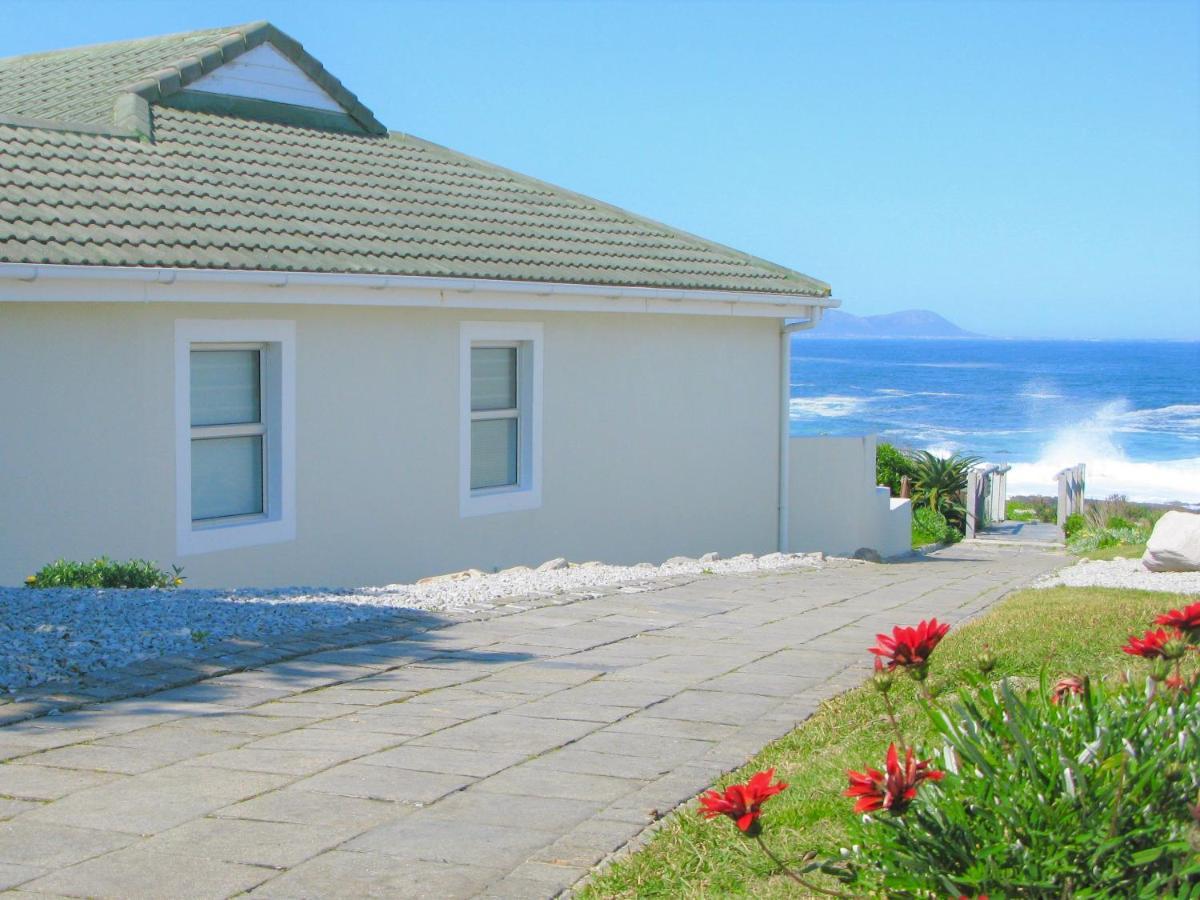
x=1160, y=669
x=986, y=661
x=884, y=679
x=1175, y=648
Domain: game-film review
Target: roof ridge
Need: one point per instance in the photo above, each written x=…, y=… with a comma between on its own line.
x=138, y=40
x=130, y=101
x=820, y=288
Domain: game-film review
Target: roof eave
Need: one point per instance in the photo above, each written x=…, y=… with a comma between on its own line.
x=136, y=283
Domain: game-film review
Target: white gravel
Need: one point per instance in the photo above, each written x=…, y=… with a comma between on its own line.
x=1122, y=573
x=63, y=633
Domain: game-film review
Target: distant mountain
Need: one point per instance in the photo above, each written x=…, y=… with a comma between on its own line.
x=908, y=323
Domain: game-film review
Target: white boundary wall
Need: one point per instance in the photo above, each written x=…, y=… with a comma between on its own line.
x=835, y=505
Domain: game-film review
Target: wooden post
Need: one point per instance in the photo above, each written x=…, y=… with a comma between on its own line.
x=972, y=503
x=905, y=487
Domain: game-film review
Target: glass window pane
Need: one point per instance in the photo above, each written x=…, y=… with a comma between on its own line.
x=493, y=453
x=225, y=387
x=227, y=477
x=493, y=378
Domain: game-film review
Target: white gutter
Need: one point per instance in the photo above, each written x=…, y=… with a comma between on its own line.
x=785, y=417
x=167, y=284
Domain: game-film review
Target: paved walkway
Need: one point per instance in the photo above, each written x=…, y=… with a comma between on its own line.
x=1044, y=533
x=497, y=759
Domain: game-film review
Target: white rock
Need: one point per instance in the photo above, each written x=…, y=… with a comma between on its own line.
x=645, y=565
x=679, y=561
x=551, y=565
x=711, y=556
x=515, y=570
x=1174, y=545
x=772, y=558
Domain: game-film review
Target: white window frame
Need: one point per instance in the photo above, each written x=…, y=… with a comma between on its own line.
x=527, y=492
x=276, y=340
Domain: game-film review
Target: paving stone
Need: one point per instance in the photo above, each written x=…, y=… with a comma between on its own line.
x=340, y=874
x=384, y=783
x=408, y=723
x=136, y=873
x=652, y=727
x=12, y=751
x=330, y=740
x=314, y=808
x=275, y=844
x=713, y=706
x=549, y=813
x=156, y=801
x=346, y=695
x=512, y=732
x=637, y=745
x=589, y=762
x=282, y=762
x=176, y=739
x=765, y=685
x=534, y=782
x=422, y=836
x=105, y=758
x=12, y=808
x=245, y=723
x=53, y=846
x=12, y=875
x=477, y=763
x=29, y=782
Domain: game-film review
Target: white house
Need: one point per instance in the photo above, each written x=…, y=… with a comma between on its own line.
x=246, y=329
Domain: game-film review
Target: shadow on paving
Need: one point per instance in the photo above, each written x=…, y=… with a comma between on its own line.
x=387, y=639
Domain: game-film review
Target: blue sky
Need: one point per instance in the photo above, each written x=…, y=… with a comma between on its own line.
x=1026, y=169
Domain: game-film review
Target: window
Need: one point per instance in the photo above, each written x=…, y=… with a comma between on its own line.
x=501, y=413
x=228, y=433
x=235, y=454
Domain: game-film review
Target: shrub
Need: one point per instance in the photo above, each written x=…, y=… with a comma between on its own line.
x=933, y=524
x=1045, y=798
x=938, y=482
x=890, y=466
x=1075, y=523
x=105, y=573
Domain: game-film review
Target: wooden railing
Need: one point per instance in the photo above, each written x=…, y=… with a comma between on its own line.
x=985, y=497
x=1070, y=491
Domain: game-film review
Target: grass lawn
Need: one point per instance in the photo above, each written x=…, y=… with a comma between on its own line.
x=1073, y=630
x=1129, y=551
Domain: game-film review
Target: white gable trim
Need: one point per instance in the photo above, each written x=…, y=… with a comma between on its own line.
x=30, y=283
x=266, y=74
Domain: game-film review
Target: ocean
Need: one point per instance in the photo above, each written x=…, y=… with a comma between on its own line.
x=1129, y=410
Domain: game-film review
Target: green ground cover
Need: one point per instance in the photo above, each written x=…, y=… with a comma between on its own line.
x=1069, y=630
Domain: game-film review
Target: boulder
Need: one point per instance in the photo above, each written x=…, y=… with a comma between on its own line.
x=515, y=570
x=451, y=576
x=679, y=561
x=711, y=556
x=1174, y=545
x=551, y=564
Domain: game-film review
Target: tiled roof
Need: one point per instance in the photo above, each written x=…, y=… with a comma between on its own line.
x=224, y=191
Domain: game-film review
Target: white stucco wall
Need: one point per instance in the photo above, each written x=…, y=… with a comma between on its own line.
x=835, y=505
x=659, y=439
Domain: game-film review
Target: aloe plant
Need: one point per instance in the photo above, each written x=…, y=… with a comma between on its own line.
x=938, y=481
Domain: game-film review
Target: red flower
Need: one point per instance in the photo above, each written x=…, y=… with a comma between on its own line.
x=1065, y=686
x=1153, y=644
x=1187, y=619
x=742, y=802
x=910, y=646
x=893, y=791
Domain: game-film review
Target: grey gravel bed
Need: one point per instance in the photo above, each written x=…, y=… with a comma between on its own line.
x=1122, y=573
x=62, y=634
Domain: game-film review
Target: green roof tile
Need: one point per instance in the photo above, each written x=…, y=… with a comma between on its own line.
x=214, y=190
